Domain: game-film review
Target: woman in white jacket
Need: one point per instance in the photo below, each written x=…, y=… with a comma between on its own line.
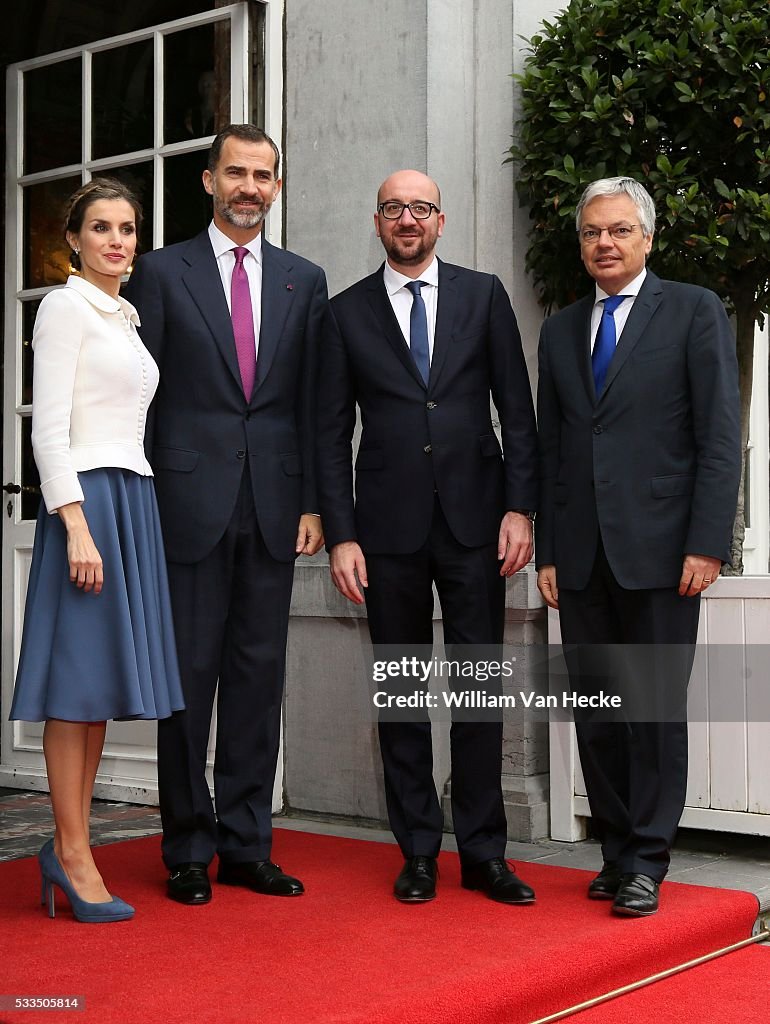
x=98, y=640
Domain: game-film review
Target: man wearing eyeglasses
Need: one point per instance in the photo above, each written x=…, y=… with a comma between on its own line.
x=420, y=345
x=639, y=434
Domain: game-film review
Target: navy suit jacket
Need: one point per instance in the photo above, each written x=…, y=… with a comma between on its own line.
x=201, y=427
x=653, y=463
x=420, y=441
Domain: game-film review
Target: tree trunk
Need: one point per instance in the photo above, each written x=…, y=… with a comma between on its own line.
x=744, y=333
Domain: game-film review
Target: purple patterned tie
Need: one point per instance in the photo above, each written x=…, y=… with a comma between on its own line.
x=243, y=322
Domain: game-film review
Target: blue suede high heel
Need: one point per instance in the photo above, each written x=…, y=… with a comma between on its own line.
x=52, y=873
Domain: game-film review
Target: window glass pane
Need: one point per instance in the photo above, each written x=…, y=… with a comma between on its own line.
x=122, y=99
x=257, y=76
x=139, y=179
x=196, y=82
x=186, y=205
x=46, y=253
x=28, y=314
x=30, y=481
x=52, y=118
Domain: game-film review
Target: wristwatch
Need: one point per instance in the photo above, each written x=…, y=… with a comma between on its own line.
x=525, y=512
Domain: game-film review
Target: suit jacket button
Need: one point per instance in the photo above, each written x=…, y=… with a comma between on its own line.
x=241, y=454
x=428, y=449
x=430, y=405
x=598, y=428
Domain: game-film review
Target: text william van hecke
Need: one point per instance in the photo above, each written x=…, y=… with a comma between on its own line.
x=469, y=699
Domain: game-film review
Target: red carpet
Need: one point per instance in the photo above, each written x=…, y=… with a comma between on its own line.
x=346, y=951
x=735, y=987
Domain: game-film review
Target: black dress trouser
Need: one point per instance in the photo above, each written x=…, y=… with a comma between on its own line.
x=399, y=601
x=635, y=771
x=231, y=614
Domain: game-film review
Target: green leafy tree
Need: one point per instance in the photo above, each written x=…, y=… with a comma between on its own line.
x=675, y=93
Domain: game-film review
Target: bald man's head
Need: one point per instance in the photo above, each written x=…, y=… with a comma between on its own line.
x=414, y=180
x=409, y=241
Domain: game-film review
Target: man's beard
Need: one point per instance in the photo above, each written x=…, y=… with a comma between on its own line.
x=251, y=218
x=399, y=253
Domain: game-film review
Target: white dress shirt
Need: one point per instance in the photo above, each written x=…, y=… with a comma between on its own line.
x=252, y=263
x=401, y=298
x=621, y=313
x=93, y=383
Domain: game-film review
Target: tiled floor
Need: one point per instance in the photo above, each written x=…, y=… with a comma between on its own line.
x=26, y=822
x=702, y=858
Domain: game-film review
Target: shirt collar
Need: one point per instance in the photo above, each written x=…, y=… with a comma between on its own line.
x=221, y=244
x=101, y=300
x=631, y=289
x=395, y=281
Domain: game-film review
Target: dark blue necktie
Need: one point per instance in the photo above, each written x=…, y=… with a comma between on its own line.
x=606, y=341
x=418, y=330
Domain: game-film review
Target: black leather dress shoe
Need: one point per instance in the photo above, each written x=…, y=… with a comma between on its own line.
x=496, y=879
x=606, y=883
x=189, y=883
x=637, y=896
x=417, y=881
x=260, y=876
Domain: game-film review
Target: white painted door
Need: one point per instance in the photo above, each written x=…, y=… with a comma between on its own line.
x=142, y=107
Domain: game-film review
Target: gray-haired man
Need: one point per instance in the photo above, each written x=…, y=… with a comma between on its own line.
x=639, y=465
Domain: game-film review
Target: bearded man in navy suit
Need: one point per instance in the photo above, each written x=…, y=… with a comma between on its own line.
x=640, y=460
x=419, y=346
x=234, y=325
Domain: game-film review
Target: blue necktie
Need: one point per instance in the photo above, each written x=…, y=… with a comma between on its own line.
x=606, y=341
x=418, y=331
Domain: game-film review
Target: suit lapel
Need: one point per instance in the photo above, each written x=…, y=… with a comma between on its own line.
x=386, y=319
x=582, y=343
x=204, y=284
x=445, y=319
x=277, y=298
x=645, y=304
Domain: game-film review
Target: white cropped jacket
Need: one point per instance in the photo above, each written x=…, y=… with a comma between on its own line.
x=93, y=382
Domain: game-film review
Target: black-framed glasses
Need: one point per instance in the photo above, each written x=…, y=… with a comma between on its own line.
x=391, y=209
x=618, y=232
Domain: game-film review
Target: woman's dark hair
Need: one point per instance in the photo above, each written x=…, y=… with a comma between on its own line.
x=93, y=191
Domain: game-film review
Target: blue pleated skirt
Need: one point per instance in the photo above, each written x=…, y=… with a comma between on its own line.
x=89, y=657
